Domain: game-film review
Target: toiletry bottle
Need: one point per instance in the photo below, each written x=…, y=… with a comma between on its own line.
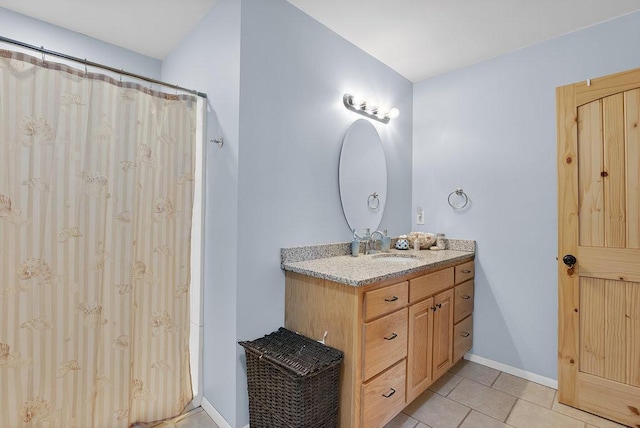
x=440, y=241
x=355, y=245
x=385, y=242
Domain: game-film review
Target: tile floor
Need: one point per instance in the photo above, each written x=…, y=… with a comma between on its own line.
x=469, y=396
x=196, y=418
x=475, y=396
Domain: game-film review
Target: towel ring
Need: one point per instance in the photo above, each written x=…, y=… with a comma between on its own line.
x=373, y=201
x=459, y=201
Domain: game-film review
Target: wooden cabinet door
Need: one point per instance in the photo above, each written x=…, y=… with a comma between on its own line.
x=599, y=225
x=442, y=333
x=419, y=357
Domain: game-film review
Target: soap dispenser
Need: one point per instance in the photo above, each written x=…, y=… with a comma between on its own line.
x=355, y=245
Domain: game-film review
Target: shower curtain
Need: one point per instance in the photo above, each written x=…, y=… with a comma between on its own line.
x=96, y=195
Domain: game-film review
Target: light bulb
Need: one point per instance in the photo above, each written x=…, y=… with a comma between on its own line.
x=383, y=111
x=357, y=101
x=393, y=113
x=372, y=105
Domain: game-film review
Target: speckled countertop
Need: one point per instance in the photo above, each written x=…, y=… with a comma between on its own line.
x=332, y=263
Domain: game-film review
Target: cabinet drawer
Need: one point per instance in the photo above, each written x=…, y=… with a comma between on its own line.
x=430, y=284
x=464, y=271
x=463, y=305
x=462, y=337
x=385, y=300
x=385, y=342
x=383, y=397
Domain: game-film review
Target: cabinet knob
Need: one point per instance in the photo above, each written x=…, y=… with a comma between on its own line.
x=390, y=393
x=391, y=336
x=439, y=305
x=391, y=299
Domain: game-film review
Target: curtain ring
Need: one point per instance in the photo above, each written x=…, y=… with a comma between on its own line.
x=373, y=201
x=461, y=201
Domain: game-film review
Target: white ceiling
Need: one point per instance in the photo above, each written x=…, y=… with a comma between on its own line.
x=150, y=27
x=423, y=38
x=417, y=38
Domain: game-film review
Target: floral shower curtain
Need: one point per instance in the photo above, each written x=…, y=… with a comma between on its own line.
x=96, y=195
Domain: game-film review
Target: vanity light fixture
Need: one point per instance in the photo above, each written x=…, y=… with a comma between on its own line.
x=370, y=108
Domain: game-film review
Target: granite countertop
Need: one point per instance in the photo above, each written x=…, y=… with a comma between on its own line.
x=367, y=269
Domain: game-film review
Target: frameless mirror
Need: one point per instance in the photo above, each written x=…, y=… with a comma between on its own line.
x=363, y=176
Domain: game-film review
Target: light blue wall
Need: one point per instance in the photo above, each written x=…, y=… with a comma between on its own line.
x=275, y=181
x=208, y=59
x=294, y=72
x=490, y=129
x=38, y=33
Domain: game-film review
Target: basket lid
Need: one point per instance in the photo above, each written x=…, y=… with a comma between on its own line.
x=293, y=351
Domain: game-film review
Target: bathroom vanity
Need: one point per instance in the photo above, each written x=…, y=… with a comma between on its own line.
x=401, y=324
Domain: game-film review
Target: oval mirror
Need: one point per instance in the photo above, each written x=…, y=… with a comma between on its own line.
x=362, y=177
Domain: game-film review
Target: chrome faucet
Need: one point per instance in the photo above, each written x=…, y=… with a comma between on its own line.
x=370, y=247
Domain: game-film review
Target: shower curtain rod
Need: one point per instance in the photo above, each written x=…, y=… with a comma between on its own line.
x=98, y=65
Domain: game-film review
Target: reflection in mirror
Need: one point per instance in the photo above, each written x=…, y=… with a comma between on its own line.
x=363, y=176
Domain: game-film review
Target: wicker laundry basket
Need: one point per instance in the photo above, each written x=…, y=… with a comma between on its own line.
x=293, y=381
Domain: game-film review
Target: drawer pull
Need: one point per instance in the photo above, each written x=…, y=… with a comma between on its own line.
x=466, y=297
x=393, y=391
x=391, y=336
x=439, y=305
x=434, y=308
x=466, y=271
x=392, y=299
x=464, y=334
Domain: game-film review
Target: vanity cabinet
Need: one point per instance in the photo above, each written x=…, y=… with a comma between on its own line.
x=398, y=336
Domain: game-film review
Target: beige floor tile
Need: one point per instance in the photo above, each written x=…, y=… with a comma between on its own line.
x=478, y=420
x=436, y=411
x=421, y=425
x=482, y=398
x=584, y=416
x=445, y=384
x=521, y=388
x=197, y=420
x=476, y=372
x=402, y=421
x=529, y=415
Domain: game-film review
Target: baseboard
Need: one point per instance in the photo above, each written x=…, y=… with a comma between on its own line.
x=214, y=414
x=551, y=383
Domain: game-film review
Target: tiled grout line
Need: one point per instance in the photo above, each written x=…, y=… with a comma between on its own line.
x=535, y=404
x=495, y=380
x=555, y=395
x=465, y=416
x=509, y=414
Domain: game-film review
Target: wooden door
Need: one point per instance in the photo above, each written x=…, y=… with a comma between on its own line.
x=599, y=224
x=442, y=333
x=419, y=358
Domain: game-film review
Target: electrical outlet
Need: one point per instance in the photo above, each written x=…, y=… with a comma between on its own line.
x=420, y=216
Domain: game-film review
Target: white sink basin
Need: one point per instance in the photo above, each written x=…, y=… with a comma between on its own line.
x=393, y=258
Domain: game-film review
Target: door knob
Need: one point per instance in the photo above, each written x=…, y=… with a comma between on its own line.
x=569, y=260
